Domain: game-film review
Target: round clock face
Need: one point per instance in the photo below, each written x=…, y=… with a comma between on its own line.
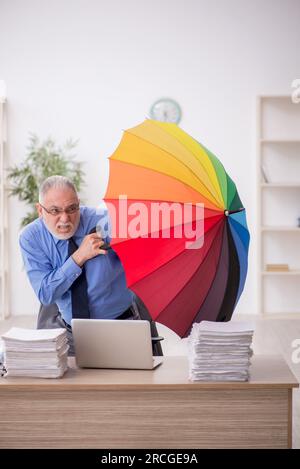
x=166, y=110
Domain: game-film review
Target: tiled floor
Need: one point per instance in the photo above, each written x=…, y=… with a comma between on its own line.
x=272, y=336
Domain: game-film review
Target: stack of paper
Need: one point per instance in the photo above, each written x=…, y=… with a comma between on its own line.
x=39, y=353
x=220, y=351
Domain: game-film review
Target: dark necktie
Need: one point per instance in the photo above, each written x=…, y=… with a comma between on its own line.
x=79, y=296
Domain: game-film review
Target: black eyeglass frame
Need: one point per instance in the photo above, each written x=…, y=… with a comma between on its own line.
x=58, y=211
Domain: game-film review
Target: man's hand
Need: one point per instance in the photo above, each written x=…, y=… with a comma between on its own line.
x=89, y=248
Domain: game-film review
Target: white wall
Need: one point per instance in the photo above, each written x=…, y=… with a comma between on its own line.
x=89, y=68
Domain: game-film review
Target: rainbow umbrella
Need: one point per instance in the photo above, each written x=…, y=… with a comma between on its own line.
x=178, y=226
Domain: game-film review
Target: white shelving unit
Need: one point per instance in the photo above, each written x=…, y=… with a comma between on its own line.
x=278, y=177
x=4, y=280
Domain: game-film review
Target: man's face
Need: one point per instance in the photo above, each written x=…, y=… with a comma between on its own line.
x=62, y=225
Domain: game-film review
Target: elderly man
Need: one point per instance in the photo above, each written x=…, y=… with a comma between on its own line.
x=70, y=272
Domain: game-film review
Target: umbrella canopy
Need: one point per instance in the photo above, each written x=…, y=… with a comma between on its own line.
x=178, y=225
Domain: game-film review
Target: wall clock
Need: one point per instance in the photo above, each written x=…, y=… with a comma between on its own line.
x=166, y=110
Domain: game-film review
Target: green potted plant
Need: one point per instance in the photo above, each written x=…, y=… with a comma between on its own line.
x=43, y=159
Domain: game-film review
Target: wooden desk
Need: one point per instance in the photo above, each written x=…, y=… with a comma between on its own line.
x=149, y=409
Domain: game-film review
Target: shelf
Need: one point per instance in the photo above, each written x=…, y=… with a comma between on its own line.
x=275, y=140
x=282, y=272
x=281, y=315
x=275, y=96
x=278, y=184
x=288, y=229
x=284, y=185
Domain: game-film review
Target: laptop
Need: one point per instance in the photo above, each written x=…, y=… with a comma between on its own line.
x=113, y=343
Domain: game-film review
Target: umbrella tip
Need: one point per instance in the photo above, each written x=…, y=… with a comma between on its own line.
x=229, y=212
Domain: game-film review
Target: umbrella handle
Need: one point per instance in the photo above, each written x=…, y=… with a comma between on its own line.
x=229, y=212
x=157, y=339
x=105, y=246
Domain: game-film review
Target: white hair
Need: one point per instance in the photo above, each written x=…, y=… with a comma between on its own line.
x=58, y=182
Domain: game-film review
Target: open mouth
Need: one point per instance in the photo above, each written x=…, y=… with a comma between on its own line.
x=64, y=228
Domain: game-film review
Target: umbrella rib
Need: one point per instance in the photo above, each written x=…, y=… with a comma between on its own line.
x=233, y=227
x=217, y=207
x=167, y=201
x=241, y=227
x=203, y=167
x=211, y=285
x=231, y=212
x=191, y=277
x=214, y=160
x=183, y=164
x=227, y=184
x=177, y=255
x=235, y=261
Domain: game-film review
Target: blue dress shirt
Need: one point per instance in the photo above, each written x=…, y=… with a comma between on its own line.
x=51, y=271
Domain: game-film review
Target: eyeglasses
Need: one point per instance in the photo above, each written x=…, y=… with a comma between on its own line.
x=58, y=211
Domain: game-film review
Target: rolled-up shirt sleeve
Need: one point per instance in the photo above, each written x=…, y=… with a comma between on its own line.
x=48, y=283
